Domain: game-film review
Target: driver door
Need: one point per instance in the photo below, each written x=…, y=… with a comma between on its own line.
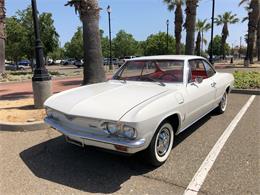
x=200, y=95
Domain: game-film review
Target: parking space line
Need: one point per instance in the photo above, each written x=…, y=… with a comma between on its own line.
x=200, y=176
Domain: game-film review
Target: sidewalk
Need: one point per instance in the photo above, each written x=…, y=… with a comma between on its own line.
x=21, y=90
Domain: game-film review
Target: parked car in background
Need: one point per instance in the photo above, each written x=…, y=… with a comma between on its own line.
x=24, y=65
x=147, y=103
x=78, y=63
x=68, y=61
x=11, y=66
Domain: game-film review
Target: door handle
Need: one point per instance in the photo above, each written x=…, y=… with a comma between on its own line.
x=213, y=84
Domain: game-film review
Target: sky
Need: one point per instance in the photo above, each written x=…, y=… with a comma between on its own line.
x=138, y=17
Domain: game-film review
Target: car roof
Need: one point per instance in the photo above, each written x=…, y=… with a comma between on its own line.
x=168, y=57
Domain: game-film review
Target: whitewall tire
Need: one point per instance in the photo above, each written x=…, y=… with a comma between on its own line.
x=161, y=144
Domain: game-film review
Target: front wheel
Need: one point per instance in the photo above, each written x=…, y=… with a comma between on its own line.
x=223, y=104
x=161, y=144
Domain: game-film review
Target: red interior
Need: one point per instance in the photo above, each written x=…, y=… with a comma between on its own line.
x=198, y=73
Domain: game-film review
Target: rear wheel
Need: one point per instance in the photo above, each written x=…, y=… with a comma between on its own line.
x=161, y=144
x=223, y=104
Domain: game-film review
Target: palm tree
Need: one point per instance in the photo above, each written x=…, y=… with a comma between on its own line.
x=178, y=20
x=225, y=19
x=2, y=36
x=190, y=23
x=253, y=17
x=93, y=63
x=201, y=26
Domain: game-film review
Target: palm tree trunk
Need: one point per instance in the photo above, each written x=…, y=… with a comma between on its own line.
x=258, y=39
x=252, y=26
x=202, y=41
x=2, y=36
x=198, y=43
x=178, y=27
x=191, y=11
x=224, y=39
x=93, y=63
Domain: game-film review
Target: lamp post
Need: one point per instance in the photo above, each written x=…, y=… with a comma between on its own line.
x=41, y=80
x=167, y=38
x=109, y=10
x=212, y=31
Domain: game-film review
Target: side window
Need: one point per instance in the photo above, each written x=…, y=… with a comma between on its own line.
x=197, y=69
x=210, y=71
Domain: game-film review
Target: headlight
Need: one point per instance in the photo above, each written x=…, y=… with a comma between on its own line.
x=129, y=132
x=110, y=128
x=119, y=130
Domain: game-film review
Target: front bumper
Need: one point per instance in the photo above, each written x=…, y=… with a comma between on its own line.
x=107, y=142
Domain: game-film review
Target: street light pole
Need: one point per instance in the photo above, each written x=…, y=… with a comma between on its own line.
x=240, y=47
x=41, y=79
x=167, y=23
x=109, y=10
x=212, y=31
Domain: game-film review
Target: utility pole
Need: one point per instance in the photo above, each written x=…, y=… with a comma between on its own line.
x=41, y=80
x=240, y=48
x=212, y=31
x=109, y=10
x=167, y=39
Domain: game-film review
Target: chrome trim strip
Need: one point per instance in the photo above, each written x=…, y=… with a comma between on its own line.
x=107, y=140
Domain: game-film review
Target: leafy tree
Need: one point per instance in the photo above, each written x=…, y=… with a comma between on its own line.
x=124, y=44
x=178, y=20
x=57, y=54
x=190, y=23
x=93, y=62
x=156, y=44
x=217, y=46
x=15, y=41
x=74, y=48
x=2, y=36
x=49, y=36
x=201, y=26
x=225, y=19
x=24, y=34
x=105, y=44
x=253, y=17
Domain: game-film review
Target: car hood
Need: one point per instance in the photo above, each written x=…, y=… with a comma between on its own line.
x=109, y=100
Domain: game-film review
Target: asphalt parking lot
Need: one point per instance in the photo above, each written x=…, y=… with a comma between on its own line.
x=40, y=162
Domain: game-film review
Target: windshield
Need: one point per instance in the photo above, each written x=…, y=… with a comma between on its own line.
x=152, y=70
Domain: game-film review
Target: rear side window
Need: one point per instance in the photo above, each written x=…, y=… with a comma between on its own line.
x=197, y=69
x=210, y=71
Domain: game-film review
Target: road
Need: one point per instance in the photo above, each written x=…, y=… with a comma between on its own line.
x=41, y=162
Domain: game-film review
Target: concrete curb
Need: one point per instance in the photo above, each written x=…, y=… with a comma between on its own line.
x=246, y=91
x=22, y=127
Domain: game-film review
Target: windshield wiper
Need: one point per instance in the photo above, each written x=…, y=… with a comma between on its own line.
x=154, y=80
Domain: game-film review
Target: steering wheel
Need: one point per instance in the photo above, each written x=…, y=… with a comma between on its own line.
x=169, y=74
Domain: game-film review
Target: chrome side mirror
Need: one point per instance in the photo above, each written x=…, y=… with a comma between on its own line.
x=198, y=79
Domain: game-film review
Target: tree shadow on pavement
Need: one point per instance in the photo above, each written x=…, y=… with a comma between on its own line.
x=74, y=82
x=16, y=96
x=90, y=169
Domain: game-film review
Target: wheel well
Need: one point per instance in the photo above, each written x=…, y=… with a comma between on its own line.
x=174, y=121
x=228, y=89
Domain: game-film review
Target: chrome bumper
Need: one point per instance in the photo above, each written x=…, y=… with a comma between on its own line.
x=106, y=142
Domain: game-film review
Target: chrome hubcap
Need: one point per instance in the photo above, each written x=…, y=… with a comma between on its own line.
x=223, y=102
x=163, y=141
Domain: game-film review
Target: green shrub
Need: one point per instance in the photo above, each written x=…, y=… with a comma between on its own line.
x=247, y=80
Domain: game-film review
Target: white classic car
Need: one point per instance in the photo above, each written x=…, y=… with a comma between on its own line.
x=148, y=101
